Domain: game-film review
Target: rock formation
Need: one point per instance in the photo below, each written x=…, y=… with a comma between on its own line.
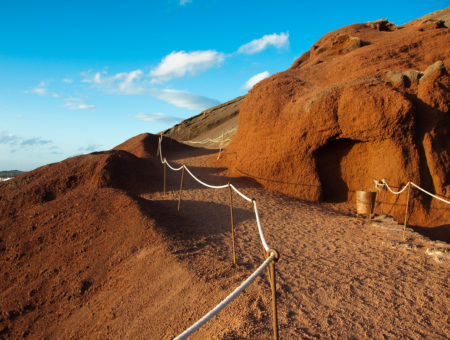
x=367, y=101
x=211, y=123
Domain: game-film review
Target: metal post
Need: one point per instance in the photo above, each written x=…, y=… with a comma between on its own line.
x=273, y=285
x=406, y=211
x=232, y=223
x=165, y=174
x=181, y=187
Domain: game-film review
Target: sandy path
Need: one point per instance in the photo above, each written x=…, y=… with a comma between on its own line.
x=339, y=275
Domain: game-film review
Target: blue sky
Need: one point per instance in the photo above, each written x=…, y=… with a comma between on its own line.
x=81, y=76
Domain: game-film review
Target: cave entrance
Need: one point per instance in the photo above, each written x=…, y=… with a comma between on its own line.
x=329, y=160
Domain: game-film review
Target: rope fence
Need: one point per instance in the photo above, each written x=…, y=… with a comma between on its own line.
x=216, y=140
x=379, y=185
x=208, y=316
x=383, y=183
x=271, y=255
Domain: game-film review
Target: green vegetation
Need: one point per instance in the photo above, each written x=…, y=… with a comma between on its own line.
x=10, y=173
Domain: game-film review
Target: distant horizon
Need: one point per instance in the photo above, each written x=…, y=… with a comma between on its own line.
x=84, y=77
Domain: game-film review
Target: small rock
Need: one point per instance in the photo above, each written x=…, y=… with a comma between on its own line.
x=396, y=78
x=381, y=25
x=438, y=66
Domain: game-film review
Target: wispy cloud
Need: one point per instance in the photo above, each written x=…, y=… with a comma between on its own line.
x=120, y=83
x=90, y=148
x=42, y=90
x=132, y=83
x=16, y=142
x=184, y=99
x=184, y=2
x=8, y=138
x=277, y=40
x=157, y=118
x=67, y=80
x=77, y=104
x=35, y=141
x=178, y=64
x=255, y=79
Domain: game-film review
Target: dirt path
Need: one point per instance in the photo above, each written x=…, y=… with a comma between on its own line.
x=339, y=275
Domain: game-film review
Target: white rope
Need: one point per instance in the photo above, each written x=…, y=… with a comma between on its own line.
x=394, y=192
x=206, y=141
x=261, y=234
x=208, y=316
x=215, y=140
x=240, y=193
x=429, y=193
x=191, y=330
x=384, y=183
x=160, y=149
x=205, y=184
x=174, y=169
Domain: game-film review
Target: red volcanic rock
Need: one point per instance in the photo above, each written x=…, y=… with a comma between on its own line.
x=367, y=101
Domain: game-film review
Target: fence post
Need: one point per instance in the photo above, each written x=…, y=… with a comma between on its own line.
x=165, y=174
x=232, y=223
x=383, y=197
x=159, y=147
x=372, y=213
x=181, y=187
x=273, y=286
x=406, y=210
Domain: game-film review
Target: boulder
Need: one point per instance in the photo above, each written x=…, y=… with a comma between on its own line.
x=349, y=112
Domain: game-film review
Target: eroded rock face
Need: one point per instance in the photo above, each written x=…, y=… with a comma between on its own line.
x=368, y=101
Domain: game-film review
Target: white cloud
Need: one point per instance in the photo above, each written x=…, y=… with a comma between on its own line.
x=184, y=99
x=16, y=142
x=127, y=84
x=35, y=141
x=130, y=83
x=120, y=83
x=184, y=2
x=8, y=138
x=277, y=40
x=41, y=89
x=77, y=104
x=67, y=81
x=255, y=79
x=157, y=117
x=177, y=64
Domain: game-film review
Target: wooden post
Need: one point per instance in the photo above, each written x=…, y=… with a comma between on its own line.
x=274, y=300
x=165, y=174
x=372, y=213
x=181, y=188
x=406, y=210
x=273, y=286
x=383, y=195
x=232, y=223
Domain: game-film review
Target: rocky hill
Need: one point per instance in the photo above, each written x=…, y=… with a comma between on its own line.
x=71, y=233
x=367, y=101
x=210, y=124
